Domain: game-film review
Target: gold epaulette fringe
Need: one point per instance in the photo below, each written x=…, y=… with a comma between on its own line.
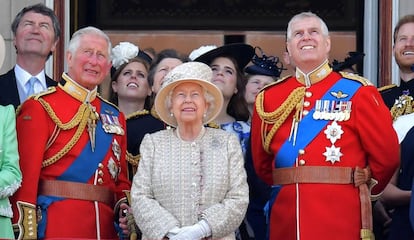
x=133, y=159
x=386, y=87
x=277, y=117
x=138, y=113
x=356, y=77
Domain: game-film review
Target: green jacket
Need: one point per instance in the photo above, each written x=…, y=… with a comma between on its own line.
x=10, y=174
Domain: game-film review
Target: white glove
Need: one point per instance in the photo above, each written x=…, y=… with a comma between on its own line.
x=197, y=231
x=173, y=232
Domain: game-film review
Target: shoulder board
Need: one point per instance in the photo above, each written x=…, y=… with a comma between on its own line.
x=386, y=87
x=108, y=102
x=276, y=82
x=138, y=113
x=48, y=91
x=356, y=77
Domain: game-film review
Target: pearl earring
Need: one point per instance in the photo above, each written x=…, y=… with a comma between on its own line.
x=171, y=114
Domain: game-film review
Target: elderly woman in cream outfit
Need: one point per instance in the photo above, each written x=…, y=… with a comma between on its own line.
x=191, y=182
x=10, y=175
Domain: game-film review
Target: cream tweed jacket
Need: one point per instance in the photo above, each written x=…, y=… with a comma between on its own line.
x=179, y=183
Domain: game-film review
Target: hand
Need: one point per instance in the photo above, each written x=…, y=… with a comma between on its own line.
x=197, y=231
x=124, y=209
x=382, y=217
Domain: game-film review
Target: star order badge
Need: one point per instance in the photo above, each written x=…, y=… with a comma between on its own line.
x=116, y=149
x=333, y=132
x=333, y=154
x=113, y=169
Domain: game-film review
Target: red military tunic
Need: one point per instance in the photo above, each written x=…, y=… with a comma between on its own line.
x=50, y=145
x=309, y=211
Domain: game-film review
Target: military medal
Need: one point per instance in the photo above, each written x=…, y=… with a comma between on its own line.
x=333, y=154
x=348, y=111
x=333, y=132
x=317, y=114
x=116, y=149
x=111, y=124
x=325, y=111
x=113, y=169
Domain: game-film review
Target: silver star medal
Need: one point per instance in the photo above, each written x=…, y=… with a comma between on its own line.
x=113, y=169
x=116, y=149
x=333, y=154
x=333, y=132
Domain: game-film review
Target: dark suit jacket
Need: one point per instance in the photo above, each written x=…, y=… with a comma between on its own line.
x=8, y=88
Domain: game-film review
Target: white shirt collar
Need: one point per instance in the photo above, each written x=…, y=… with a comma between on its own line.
x=22, y=76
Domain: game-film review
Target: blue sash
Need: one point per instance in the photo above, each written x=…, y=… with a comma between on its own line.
x=287, y=154
x=83, y=168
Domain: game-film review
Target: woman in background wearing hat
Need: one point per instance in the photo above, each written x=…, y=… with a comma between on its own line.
x=191, y=181
x=10, y=174
x=131, y=92
x=264, y=70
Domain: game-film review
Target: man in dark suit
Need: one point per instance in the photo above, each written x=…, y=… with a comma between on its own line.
x=36, y=32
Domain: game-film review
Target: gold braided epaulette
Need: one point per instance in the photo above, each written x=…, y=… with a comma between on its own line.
x=356, y=77
x=138, y=113
x=386, y=87
x=133, y=159
x=48, y=91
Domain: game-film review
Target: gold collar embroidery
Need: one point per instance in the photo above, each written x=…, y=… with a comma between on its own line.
x=314, y=76
x=77, y=91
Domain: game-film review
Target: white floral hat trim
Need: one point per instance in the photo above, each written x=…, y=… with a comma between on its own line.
x=122, y=53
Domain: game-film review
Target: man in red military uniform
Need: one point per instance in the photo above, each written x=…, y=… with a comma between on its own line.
x=72, y=151
x=318, y=138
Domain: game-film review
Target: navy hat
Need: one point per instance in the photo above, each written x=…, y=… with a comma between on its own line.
x=241, y=52
x=265, y=65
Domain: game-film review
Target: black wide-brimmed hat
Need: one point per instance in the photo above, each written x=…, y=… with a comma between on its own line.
x=241, y=52
x=265, y=65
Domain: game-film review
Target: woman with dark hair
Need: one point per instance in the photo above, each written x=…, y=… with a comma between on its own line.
x=131, y=92
x=227, y=63
x=162, y=64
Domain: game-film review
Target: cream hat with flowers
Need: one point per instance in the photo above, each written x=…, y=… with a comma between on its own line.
x=195, y=72
x=2, y=50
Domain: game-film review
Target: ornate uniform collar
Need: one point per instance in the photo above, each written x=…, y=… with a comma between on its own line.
x=77, y=91
x=314, y=76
